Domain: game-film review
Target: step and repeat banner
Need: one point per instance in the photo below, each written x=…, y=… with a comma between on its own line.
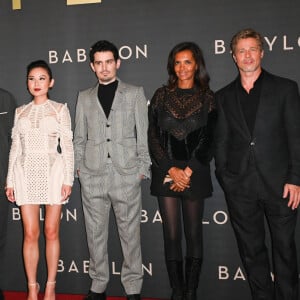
x=61, y=32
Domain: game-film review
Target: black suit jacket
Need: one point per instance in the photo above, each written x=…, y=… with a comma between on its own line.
x=7, y=110
x=275, y=142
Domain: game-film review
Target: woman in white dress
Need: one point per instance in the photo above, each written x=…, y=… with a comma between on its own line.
x=40, y=172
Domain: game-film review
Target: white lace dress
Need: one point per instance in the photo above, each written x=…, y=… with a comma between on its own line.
x=36, y=169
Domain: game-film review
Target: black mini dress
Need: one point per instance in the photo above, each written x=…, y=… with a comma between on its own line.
x=180, y=133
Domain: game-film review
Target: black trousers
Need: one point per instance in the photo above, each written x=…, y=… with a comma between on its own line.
x=4, y=205
x=249, y=202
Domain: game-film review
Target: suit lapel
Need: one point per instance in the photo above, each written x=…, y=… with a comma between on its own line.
x=119, y=96
x=264, y=102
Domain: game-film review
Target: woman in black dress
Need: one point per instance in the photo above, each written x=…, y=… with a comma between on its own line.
x=181, y=119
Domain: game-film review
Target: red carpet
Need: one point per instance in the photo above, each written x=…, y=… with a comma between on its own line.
x=22, y=296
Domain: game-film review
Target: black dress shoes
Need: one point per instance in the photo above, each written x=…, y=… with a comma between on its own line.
x=134, y=297
x=95, y=296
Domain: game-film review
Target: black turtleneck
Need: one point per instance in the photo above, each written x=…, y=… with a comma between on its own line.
x=106, y=94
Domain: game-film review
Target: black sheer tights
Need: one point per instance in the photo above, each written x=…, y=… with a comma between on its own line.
x=191, y=210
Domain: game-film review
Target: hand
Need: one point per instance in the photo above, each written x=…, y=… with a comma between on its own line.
x=293, y=191
x=188, y=171
x=78, y=172
x=179, y=177
x=65, y=192
x=175, y=188
x=10, y=194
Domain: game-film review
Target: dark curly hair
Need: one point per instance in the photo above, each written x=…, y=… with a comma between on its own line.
x=103, y=46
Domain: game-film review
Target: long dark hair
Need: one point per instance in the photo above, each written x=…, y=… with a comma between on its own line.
x=201, y=78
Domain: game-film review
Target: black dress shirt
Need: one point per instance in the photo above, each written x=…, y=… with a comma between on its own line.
x=250, y=102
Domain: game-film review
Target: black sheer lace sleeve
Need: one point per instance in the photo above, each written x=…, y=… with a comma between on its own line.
x=159, y=155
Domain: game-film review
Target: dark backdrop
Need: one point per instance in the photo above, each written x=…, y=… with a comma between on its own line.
x=144, y=31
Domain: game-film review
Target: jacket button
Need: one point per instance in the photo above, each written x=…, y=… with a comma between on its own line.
x=107, y=125
x=108, y=140
x=252, y=143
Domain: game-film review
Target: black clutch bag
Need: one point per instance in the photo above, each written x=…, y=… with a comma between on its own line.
x=58, y=146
